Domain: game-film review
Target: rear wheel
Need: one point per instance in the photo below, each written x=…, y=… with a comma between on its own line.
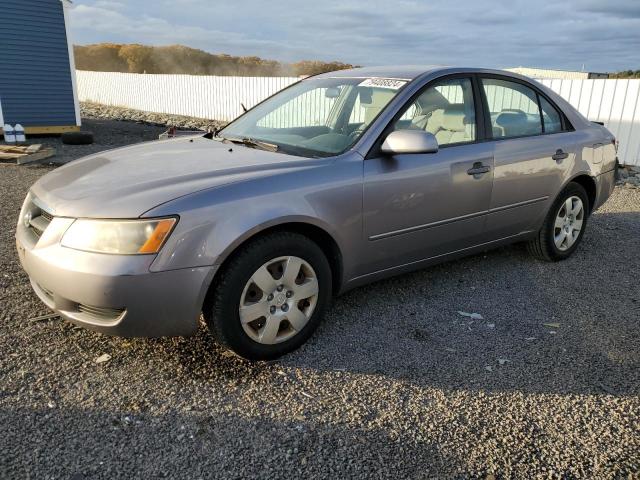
x=270, y=297
x=563, y=227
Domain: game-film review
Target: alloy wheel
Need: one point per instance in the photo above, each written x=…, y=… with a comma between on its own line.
x=568, y=223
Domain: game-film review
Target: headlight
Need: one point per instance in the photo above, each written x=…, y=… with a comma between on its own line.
x=124, y=237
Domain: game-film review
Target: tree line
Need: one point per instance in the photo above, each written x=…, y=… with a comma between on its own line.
x=626, y=74
x=178, y=59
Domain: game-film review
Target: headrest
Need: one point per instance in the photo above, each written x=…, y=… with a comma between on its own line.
x=509, y=118
x=453, y=118
x=379, y=100
x=431, y=100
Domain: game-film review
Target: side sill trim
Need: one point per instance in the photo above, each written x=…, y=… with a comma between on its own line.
x=519, y=204
x=404, y=265
x=426, y=225
x=402, y=231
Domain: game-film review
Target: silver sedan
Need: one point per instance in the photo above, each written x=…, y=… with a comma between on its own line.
x=337, y=181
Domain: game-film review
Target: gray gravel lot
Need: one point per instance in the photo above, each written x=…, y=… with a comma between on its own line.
x=107, y=134
x=395, y=384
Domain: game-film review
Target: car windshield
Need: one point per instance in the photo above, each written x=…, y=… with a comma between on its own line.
x=317, y=117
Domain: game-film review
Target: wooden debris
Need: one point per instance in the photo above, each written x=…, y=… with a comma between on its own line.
x=21, y=154
x=44, y=318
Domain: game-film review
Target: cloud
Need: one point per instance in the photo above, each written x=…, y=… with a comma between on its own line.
x=108, y=4
x=100, y=24
x=604, y=36
x=618, y=9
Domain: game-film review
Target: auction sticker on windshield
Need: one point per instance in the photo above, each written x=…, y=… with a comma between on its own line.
x=390, y=83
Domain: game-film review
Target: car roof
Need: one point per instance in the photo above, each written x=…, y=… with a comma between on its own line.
x=405, y=72
x=411, y=72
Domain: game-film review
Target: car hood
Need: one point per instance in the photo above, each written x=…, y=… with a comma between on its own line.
x=128, y=181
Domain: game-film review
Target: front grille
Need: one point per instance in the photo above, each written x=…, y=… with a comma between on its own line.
x=100, y=313
x=46, y=215
x=40, y=219
x=38, y=225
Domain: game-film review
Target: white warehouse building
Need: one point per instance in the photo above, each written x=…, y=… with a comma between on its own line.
x=564, y=74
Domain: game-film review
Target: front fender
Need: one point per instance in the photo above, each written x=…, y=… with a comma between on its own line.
x=215, y=222
x=230, y=234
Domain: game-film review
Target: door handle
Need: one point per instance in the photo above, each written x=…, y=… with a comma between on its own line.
x=559, y=155
x=478, y=169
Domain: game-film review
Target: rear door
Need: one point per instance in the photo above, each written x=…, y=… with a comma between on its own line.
x=533, y=150
x=418, y=206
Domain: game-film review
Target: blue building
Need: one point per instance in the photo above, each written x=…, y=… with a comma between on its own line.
x=37, y=71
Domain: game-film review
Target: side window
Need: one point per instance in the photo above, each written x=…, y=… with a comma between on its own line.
x=445, y=109
x=550, y=116
x=513, y=108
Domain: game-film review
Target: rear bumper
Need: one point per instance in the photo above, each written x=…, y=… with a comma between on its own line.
x=605, y=183
x=114, y=294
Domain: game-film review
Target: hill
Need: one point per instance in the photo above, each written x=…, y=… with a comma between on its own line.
x=179, y=59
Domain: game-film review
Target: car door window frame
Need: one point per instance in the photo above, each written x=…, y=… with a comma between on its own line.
x=563, y=120
x=481, y=134
x=566, y=125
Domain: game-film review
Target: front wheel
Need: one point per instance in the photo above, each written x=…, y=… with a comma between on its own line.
x=563, y=226
x=270, y=297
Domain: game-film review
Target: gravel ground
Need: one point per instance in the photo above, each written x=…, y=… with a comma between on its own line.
x=395, y=384
x=97, y=110
x=107, y=134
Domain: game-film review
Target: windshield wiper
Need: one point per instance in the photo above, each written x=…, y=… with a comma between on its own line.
x=253, y=143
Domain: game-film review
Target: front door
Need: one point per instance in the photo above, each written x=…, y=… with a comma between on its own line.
x=419, y=206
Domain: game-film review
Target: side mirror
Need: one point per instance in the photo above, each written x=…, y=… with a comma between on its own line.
x=410, y=141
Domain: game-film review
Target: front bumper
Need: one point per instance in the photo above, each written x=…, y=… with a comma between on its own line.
x=113, y=294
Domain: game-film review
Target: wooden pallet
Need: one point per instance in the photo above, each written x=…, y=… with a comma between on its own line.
x=49, y=130
x=20, y=154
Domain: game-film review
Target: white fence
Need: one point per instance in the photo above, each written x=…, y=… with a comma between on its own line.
x=614, y=102
x=216, y=98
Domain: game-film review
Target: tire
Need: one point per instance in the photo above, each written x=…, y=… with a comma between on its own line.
x=234, y=285
x=543, y=246
x=77, y=138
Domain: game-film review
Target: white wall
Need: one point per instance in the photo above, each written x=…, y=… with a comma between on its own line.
x=216, y=98
x=545, y=73
x=616, y=102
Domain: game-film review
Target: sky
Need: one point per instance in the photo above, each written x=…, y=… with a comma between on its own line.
x=602, y=35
